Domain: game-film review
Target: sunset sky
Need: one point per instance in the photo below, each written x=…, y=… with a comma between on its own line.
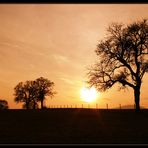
x=57, y=41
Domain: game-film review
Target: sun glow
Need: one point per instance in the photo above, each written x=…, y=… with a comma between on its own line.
x=88, y=95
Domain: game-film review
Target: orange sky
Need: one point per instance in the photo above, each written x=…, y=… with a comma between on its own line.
x=57, y=41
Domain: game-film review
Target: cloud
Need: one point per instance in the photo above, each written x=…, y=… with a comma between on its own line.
x=60, y=59
x=67, y=80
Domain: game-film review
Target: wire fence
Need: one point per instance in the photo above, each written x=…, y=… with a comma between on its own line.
x=96, y=106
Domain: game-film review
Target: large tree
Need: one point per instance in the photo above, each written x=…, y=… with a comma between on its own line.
x=44, y=88
x=123, y=58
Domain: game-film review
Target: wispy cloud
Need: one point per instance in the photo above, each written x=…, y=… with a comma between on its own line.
x=67, y=80
x=70, y=79
x=60, y=58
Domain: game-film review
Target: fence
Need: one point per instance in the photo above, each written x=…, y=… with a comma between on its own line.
x=96, y=106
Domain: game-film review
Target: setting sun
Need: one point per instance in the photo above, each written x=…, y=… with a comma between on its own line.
x=88, y=95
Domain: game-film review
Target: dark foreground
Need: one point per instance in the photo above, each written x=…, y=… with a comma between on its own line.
x=73, y=126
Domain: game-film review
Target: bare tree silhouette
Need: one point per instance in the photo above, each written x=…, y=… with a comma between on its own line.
x=122, y=58
x=3, y=104
x=44, y=87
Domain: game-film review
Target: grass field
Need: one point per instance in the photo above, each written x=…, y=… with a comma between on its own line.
x=73, y=126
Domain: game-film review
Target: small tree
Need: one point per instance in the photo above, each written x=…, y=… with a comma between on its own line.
x=3, y=104
x=123, y=58
x=26, y=93
x=44, y=88
x=30, y=92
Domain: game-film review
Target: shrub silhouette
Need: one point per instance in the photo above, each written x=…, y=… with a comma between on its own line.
x=3, y=104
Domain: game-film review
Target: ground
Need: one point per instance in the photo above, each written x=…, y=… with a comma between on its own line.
x=73, y=126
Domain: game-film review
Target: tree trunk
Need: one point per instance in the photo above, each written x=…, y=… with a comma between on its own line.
x=34, y=105
x=42, y=105
x=137, y=99
x=27, y=105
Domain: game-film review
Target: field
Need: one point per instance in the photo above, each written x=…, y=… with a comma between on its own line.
x=73, y=126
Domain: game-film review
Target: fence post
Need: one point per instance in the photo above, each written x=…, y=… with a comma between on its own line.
x=107, y=106
x=96, y=106
x=120, y=106
x=82, y=105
